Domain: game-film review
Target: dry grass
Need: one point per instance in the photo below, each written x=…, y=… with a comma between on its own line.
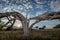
x=47, y=34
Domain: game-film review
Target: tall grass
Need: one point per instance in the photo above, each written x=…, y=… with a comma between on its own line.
x=35, y=35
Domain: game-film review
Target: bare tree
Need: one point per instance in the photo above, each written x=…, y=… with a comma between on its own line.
x=18, y=16
x=25, y=21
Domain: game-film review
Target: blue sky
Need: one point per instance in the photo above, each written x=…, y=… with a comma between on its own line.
x=33, y=8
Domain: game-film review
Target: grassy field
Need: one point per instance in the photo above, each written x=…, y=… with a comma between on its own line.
x=46, y=34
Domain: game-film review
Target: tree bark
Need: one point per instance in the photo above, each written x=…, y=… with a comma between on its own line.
x=25, y=29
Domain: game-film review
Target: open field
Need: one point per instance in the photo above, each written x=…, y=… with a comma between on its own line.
x=46, y=34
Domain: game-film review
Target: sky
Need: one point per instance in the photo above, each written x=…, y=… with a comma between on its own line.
x=33, y=8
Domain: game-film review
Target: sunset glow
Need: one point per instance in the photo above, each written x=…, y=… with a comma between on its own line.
x=18, y=25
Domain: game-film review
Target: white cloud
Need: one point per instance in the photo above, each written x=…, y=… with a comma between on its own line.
x=11, y=8
x=20, y=7
x=7, y=9
x=1, y=9
x=17, y=1
x=6, y=1
x=28, y=5
x=40, y=2
x=25, y=1
x=40, y=6
x=3, y=0
x=40, y=12
x=55, y=5
x=37, y=1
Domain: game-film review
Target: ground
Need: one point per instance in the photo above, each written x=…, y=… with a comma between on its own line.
x=46, y=34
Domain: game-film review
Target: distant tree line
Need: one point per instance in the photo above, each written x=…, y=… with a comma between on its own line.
x=57, y=26
x=40, y=27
